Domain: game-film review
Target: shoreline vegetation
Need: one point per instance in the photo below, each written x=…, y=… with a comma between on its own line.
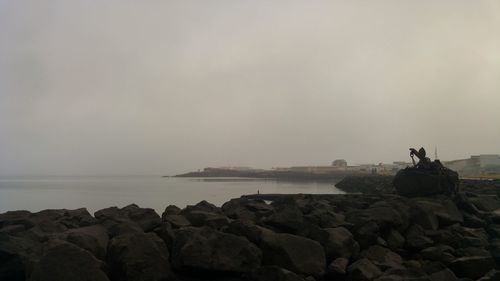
x=374, y=234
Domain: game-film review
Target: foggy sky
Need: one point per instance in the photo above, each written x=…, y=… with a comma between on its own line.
x=162, y=87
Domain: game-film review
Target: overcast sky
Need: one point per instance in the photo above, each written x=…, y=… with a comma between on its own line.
x=162, y=87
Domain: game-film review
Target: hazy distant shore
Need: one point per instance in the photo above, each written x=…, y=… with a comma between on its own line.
x=271, y=174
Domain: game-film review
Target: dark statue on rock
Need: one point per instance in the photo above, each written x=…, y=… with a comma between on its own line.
x=426, y=177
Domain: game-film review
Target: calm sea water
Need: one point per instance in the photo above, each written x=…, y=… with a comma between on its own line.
x=94, y=193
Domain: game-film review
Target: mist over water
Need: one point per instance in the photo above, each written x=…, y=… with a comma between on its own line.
x=95, y=193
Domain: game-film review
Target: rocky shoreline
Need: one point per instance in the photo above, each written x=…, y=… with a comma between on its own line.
x=383, y=237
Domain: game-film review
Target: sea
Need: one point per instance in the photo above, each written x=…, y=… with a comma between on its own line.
x=36, y=193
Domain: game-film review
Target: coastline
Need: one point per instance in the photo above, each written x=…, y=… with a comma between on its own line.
x=295, y=237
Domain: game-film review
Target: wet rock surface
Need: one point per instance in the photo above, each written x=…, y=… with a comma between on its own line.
x=376, y=236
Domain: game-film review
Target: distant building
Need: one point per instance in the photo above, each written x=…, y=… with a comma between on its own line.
x=339, y=163
x=476, y=164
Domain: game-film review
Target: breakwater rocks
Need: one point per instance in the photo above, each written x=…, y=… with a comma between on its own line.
x=294, y=238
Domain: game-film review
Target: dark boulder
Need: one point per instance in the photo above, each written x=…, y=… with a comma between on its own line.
x=383, y=257
x=441, y=253
x=287, y=218
x=203, y=218
x=146, y=218
x=394, y=239
x=363, y=270
x=91, y=238
x=273, y=273
x=166, y=232
x=17, y=257
x=487, y=203
x=472, y=267
x=295, y=253
x=384, y=216
x=417, y=182
x=416, y=238
x=202, y=249
x=366, y=234
x=246, y=209
x=138, y=257
x=246, y=229
x=400, y=274
x=44, y=223
x=434, y=213
x=202, y=206
x=443, y=275
x=170, y=210
x=340, y=243
x=338, y=267
x=16, y=218
x=177, y=221
x=493, y=275
x=65, y=261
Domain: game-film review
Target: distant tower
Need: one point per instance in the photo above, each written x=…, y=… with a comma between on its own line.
x=435, y=153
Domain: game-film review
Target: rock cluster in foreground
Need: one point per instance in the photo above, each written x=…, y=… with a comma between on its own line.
x=295, y=238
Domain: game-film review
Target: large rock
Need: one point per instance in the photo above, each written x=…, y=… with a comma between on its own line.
x=441, y=253
x=166, y=232
x=295, y=253
x=146, y=218
x=487, y=203
x=415, y=182
x=337, y=242
x=472, y=267
x=400, y=274
x=338, y=266
x=416, y=238
x=246, y=229
x=65, y=261
x=366, y=234
x=493, y=275
x=435, y=213
x=246, y=209
x=117, y=221
x=16, y=218
x=384, y=216
x=340, y=243
x=202, y=249
x=46, y=222
x=383, y=257
x=394, y=239
x=363, y=270
x=287, y=218
x=17, y=257
x=273, y=273
x=321, y=213
x=442, y=275
x=91, y=238
x=170, y=210
x=202, y=206
x=138, y=257
x=177, y=221
x=203, y=218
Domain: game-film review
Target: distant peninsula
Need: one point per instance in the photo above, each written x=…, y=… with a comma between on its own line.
x=336, y=171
